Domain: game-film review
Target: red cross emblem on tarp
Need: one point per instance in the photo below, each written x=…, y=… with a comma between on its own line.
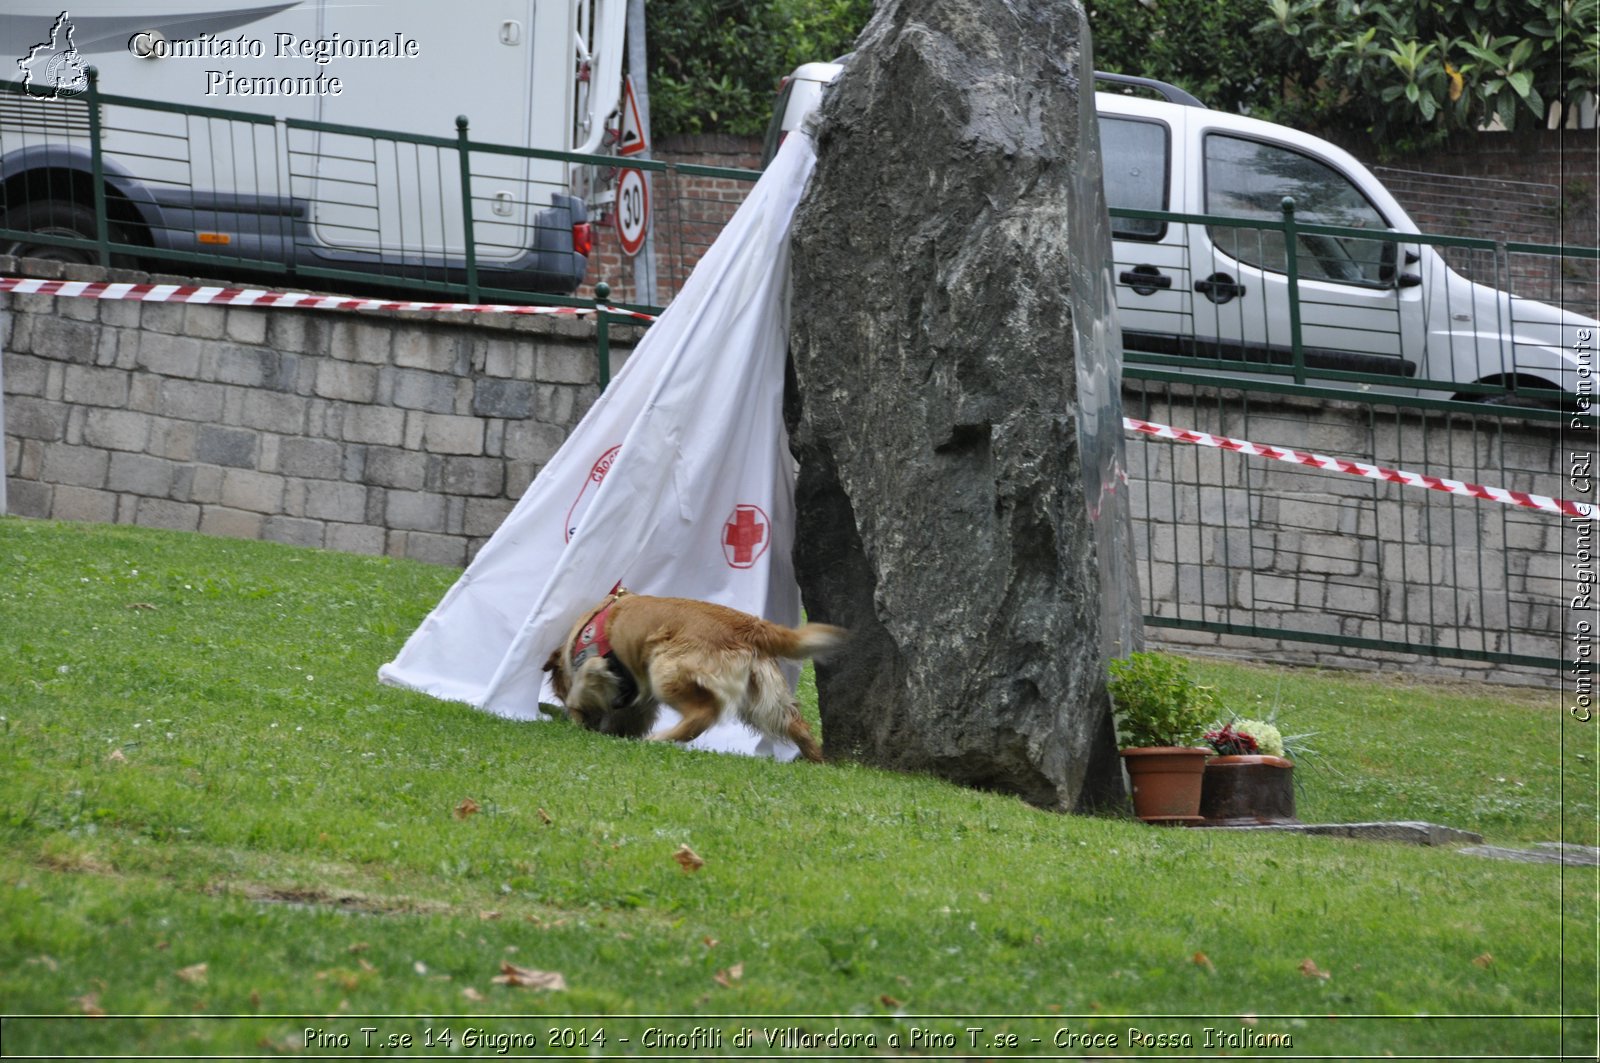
x=745, y=536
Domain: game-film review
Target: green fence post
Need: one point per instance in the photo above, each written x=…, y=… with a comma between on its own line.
x=97, y=169
x=1292, y=265
x=602, y=333
x=466, y=208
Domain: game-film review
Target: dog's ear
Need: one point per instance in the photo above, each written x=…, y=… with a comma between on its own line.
x=553, y=661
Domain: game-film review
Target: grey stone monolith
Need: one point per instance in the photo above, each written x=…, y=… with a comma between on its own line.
x=935, y=401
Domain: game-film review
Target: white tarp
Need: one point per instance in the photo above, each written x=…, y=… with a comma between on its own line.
x=677, y=482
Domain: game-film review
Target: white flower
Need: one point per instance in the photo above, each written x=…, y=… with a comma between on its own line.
x=1269, y=740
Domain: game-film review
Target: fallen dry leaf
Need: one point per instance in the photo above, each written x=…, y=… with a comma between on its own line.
x=89, y=1004
x=473, y=995
x=466, y=808
x=1485, y=960
x=709, y=942
x=360, y=946
x=194, y=974
x=511, y=974
x=1311, y=970
x=725, y=979
x=486, y=916
x=544, y=817
x=1200, y=959
x=116, y=756
x=688, y=859
x=346, y=979
x=144, y=606
x=890, y=1002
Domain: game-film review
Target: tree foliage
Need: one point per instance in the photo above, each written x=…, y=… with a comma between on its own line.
x=1409, y=72
x=1404, y=72
x=1204, y=46
x=715, y=64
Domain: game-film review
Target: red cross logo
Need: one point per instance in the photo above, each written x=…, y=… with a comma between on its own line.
x=744, y=536
x=586, y=493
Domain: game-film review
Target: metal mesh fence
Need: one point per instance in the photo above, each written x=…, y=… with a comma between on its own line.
x=1235, y=548
x=1504, y=211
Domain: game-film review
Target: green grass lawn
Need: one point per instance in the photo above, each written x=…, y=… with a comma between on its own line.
x=219, y=835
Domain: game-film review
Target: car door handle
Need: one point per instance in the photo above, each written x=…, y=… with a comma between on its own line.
x=1219, y=288
x=1145, y=280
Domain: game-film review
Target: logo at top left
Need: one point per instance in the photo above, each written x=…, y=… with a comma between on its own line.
x=54, y=69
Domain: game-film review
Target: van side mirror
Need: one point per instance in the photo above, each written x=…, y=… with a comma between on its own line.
x=1391, y=275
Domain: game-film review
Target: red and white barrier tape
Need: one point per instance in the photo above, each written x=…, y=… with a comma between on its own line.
x=216, y=296
x=1542, y=503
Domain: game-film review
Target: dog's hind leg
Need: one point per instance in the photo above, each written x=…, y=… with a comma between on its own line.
x=770, y=708
x=699, y=707
x=800, y=734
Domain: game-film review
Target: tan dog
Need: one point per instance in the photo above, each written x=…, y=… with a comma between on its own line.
x=632, y=651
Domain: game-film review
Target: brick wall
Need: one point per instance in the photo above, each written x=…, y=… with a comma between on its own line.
x=410, y=435
x=687, y=213
x=1563, y=161
x=1530, y=185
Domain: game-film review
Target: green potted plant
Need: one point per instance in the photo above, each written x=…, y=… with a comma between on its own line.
x=1161, y=713
x=1251, y=779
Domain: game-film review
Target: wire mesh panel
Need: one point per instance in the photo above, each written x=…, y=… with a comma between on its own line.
x=1498, y=210
x=1232, y=545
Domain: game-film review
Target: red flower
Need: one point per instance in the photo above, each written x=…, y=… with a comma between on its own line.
x=1230, y=743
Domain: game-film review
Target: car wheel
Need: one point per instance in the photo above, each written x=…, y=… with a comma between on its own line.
x=1522, y=399
x=56, y=217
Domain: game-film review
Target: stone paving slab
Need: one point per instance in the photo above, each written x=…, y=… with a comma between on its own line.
x=1541, y=853
x=1408, y=831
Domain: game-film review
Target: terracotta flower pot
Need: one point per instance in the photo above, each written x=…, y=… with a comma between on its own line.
x=1166, y=782
x=1247, y=790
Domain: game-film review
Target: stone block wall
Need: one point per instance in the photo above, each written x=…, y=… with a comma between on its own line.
x=414, y=435
x=1227, y=539
x=410, y=435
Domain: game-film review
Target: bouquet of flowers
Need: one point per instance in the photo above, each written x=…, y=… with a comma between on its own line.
x=1238, y=738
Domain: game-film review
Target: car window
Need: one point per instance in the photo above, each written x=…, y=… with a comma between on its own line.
x=1250, y=178
x=1134, y=154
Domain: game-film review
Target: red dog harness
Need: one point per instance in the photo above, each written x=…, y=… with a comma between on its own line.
x=592, y=640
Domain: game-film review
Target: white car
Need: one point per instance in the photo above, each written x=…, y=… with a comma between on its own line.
x=1391, y=312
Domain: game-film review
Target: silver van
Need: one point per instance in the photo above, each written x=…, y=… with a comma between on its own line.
x=1386, y=309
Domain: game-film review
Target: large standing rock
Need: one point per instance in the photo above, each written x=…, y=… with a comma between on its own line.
x=934, y=406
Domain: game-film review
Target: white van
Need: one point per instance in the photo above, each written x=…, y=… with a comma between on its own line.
x=264, y=140
x=1385, y=309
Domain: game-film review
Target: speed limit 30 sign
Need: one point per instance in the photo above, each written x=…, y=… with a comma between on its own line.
x=632, y=211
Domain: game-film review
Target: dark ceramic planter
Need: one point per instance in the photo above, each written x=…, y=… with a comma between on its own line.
x=1166, y=782
x=1247, y=791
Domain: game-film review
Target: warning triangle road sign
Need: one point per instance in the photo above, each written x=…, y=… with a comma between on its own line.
x=633, y=139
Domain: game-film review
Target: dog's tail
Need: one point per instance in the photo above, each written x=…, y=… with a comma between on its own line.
x=807, y=640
